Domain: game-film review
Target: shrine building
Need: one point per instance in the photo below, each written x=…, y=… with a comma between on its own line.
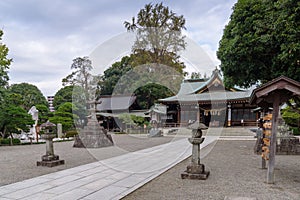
x=209, y=102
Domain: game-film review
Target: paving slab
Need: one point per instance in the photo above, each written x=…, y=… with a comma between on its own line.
x=111, y=178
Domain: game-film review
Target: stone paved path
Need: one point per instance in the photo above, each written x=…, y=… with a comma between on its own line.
x=111, y=178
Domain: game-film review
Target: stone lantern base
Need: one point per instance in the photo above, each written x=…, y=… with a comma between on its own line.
x=50, y=161
x=195, y=172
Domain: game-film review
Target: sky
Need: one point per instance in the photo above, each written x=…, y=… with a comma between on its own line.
x=45, y=36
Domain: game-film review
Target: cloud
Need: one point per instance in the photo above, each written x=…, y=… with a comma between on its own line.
x=45, y=36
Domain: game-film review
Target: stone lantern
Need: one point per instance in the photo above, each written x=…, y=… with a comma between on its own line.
x=196, y=170
x=50, y=159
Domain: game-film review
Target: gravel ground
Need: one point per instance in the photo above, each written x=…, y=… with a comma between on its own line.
x=18, y=163
x=234, y=172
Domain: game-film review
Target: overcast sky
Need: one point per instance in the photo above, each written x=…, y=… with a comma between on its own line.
x=44, y=36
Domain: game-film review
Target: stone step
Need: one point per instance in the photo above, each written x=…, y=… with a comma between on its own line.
x=240, y=131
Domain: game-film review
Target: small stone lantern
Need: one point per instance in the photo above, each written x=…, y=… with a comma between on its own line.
x=50, y=159
x=196, y=170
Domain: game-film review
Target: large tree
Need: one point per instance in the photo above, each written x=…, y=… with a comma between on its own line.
x=72, y=94
x=261, y=42
x=4, y=63
x=158, y=36
x=29, y=95
x=65, y=115
x=112, y=75
x=43, y=114
x=157, y=45
x=147, y=94
x=13, y=117
x=81, y=76
x=63, y=95
x=4, y=66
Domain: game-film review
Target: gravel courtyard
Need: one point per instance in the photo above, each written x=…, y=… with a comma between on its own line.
x=234, y=169
x=234, y=172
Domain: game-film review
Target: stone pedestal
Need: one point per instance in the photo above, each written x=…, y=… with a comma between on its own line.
x=155, y=133
x=50, y=159
x=93, y=136
x=195, y=170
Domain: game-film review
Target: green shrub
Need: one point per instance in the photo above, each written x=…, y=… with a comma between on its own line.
x=119, y=133
x=6, y=141
x=16, y=141
x=290, y=117
x=71, y=133
x=296, y=130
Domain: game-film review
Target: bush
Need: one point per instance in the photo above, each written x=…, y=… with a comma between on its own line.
x=6, y=141
x=71, y=133
x=296, y=130
x=16, y=141
x=120, y=133
x=291, y=118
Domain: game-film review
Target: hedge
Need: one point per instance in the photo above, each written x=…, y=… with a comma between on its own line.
x=6, y=141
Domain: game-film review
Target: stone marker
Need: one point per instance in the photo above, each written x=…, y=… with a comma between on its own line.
x=154, y=131
x=50, y=159
x=59, y=130
x=196, y=170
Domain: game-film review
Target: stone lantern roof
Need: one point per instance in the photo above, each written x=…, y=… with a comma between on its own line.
x=197, y=125
x=47, y=125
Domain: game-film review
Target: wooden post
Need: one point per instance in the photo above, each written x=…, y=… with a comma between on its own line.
x=263, y=163
x=271, y=166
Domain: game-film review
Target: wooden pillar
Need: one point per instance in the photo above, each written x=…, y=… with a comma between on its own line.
x=229, y=115
x=271, y=164
x=198, y=113
x=178, y=116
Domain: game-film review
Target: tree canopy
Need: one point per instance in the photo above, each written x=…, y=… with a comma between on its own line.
x=112, y=75
x=44, y=113
x=82, y=77
x=158, y=36
x=28, y=95
x=63, y=95
x=64, y=115
x=158, y=41
x=75, y=95
x=4, y=63
x=13, y=117
x=261, y=42
x=4, y=66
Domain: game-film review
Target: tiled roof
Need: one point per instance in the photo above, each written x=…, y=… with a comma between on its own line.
x=115, y=103
x=210, y=96
x=190, y=87
x=158, y=108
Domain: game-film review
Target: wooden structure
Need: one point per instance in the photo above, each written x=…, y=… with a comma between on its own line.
x=273, y=94
x=209, y=102
x=108, y=107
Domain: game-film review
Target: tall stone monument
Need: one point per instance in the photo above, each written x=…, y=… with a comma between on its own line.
x=93, y=135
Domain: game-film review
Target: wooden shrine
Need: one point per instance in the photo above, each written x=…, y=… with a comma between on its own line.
x=274, y=94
